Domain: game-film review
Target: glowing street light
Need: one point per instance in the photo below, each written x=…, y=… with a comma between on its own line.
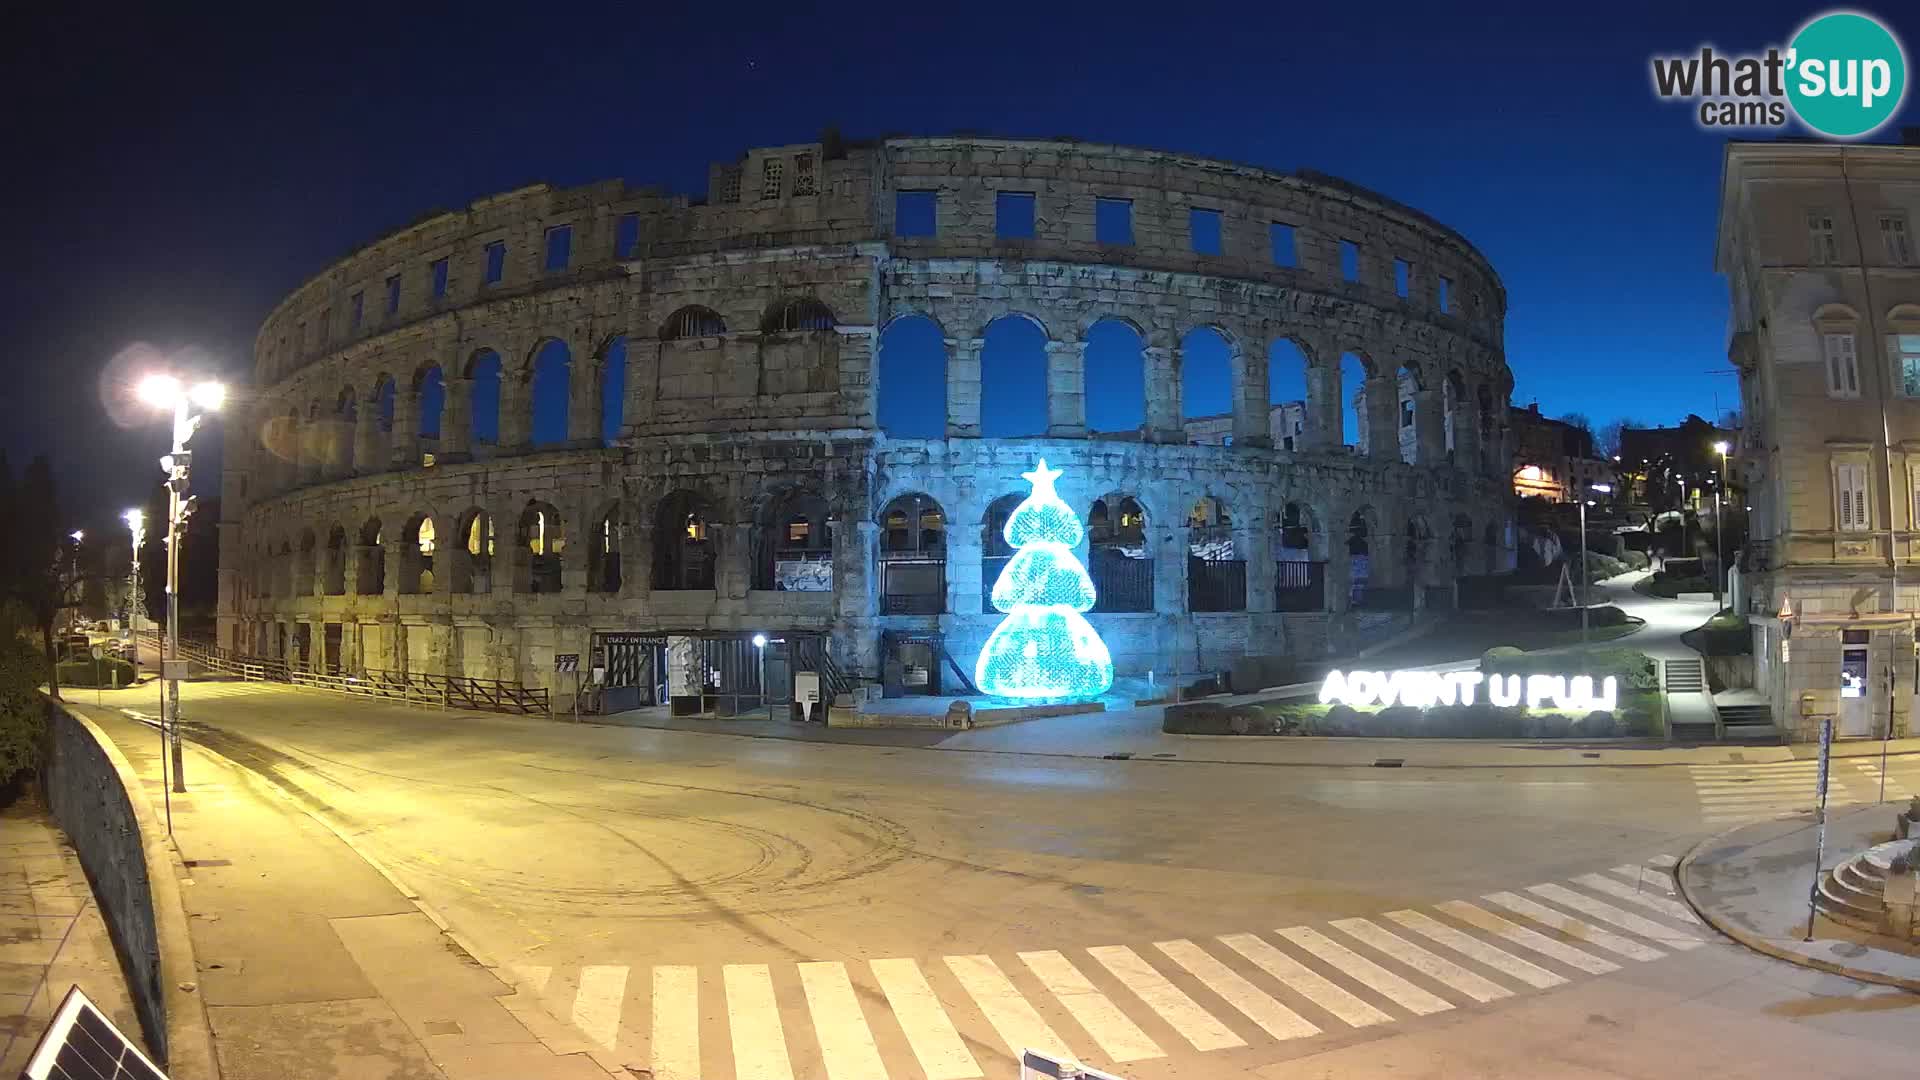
x=1719, y=526
x=165, y=391
x=136, y=520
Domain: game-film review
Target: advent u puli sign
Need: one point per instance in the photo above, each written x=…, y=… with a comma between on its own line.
x=1425, y=689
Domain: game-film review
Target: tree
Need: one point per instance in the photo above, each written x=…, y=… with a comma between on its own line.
x=1607, y=439
x=1578, y=420
x=1044, y=648
x=44, y=577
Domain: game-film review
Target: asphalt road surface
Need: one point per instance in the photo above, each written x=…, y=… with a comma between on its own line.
x=703, y=906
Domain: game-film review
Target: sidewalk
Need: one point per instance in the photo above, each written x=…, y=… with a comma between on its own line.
x=1752, y=884
x=314, y=964
x=51, y=936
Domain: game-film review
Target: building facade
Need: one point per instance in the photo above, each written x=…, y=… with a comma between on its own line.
x=602, y=419
x=1816, y=243
x=1553, y=459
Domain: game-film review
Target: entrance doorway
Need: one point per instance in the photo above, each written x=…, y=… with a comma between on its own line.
x=1856, y=682
x=636, y=670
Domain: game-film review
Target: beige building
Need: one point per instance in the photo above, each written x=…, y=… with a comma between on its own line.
x=1816, y=241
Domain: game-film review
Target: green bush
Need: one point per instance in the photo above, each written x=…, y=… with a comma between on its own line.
x=109, y=673
x=23, y=717
x=1635, y=560
x=1634, y=669
x=1600, y=567
x=1498, y=654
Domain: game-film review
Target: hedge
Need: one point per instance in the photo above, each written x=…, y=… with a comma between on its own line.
x=110, y=672
x=1635, y=669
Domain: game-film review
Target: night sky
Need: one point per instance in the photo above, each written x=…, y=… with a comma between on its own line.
x=173, y=175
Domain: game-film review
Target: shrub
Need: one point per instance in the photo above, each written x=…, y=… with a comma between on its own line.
x=23, y=717
x=110, y=672
x=1496, y=655
x=1635, y=560
x=1634, y=669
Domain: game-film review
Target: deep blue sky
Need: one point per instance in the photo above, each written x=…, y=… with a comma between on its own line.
x=172, y=175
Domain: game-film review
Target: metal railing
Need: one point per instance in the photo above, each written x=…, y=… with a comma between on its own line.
x=1216, y=584
x=1120, y=584
x=490, y=695
x=1300, y=586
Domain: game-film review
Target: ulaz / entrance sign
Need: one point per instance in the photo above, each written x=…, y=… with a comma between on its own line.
x=1424, y=689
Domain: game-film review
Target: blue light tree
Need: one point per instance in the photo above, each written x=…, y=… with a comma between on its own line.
x=1044, y=648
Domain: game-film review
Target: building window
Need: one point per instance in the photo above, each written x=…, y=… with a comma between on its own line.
x=1113, y=221
x=1402, y=278
x=1013, y=215
x=772, y=170
x=729, y=186
x=1850, y=494
x=439, y=279
x=1843, y=368
x=1898, y=240
x=804, y=178
x=1349, y=261
x=559, y=247
x=1204, y=228
x=915, y=213
x=496, y=262
x=1280, y=239
x=1822, y=248
x=1406, y=414
x=1906, y=359
x=626, y=236
x=1446, y=294
x=393, y=294
x=356, y=310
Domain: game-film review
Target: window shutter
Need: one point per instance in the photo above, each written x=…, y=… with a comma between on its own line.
x=1843, y=494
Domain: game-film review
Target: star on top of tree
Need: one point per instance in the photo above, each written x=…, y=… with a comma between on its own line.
x=1041, y=477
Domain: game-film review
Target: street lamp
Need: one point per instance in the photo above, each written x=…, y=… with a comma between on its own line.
x=760, y=647
x=137, y=525
x=1585, y=581
x=1719, y=526
x=163, y=391
x=73, y=613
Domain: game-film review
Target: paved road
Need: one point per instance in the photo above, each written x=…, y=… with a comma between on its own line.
x=718, y=907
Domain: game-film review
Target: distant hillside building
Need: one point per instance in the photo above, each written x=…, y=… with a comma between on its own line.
x=1553, y=459
x=1673, y=467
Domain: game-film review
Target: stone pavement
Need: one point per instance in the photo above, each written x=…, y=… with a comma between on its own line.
x=1752, y=883
x=51, y=936
x=314, y=963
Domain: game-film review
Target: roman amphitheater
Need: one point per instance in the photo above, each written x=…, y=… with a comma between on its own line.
x=642, y=429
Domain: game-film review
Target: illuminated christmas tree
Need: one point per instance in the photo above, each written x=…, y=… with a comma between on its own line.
x=1044, y=648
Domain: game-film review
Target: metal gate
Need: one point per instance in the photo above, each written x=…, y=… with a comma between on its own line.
x=636, y=670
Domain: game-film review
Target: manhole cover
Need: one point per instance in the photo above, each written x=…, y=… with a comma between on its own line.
x=1388, y=762
x=1849, y=949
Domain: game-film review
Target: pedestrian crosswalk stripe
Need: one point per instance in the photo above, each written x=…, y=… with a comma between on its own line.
x=1614, y=916
x=1362, y=970
x=1020, y=1027
x=1574, y=928
x=676, y=1023
x=846, y=1043
x=1305, y=981
x=753, y=1017
x=1472, y=947
x=1194, y=1023
x=1119, y=1037
x=930, y=1034
x=1527, y=939
x=1254, y=1003
x=1665, y=862
x=596, y=1008
x=1662, y=903
x=1426, y=963
x=1647, y=879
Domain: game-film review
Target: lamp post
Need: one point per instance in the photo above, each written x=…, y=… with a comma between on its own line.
x=760, y=647
x=1719, y=525
x=165, y=391
x=136, y=600
x=1585, y=581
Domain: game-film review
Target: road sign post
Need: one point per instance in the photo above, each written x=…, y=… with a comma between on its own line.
x=568, y=661
x=1820, y=817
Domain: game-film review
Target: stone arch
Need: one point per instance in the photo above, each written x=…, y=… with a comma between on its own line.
x=306, y=555
x=1363, y=529
x=1416, y=554
x=419, y=541
x=1119, y=554
x=995, y=551
x=1408, y=384
x=1115, y=375
x=333, y=577
x=549, y=377
x=1013, y=377
x=684, y=544
x=606, y=536
x=612, y=360
x=793, y=542
x=539, y=545
x=797, y=314
x=1352, y=370
x=430, y=400
x=911, y=398
x=1454, y=407
x=1216, y=572
x=370, y=573
x=913, y=556
x=484, y=372
x=1206, y=383
x=1290, y=393
x=692, y=321
x=471, y=553
x=1460, y=544
x=1298, y=534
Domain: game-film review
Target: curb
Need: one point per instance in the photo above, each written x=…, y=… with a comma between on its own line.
x=1765, y=946
x=189, y=1032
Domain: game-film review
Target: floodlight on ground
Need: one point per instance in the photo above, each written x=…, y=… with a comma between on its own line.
x=160, y=390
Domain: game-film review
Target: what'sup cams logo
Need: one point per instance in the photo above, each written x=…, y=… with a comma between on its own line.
x=1843, y=75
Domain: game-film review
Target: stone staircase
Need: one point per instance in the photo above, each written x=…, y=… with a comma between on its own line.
x=1854, y=893
x=1690, y=716
x=1748, y=724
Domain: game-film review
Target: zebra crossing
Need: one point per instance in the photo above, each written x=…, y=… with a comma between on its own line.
x=966, y=1017
x=1729, y=794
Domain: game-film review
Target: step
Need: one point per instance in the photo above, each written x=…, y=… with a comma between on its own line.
x=1836, y=902
x=1861, y=878
x=1747, y=714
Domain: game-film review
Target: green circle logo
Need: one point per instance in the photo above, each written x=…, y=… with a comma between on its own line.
x=1847, y=75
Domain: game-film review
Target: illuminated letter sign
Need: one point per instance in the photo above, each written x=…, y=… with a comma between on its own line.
x=1424, y=689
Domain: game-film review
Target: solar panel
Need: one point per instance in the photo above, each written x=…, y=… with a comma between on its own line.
x=82, y=1044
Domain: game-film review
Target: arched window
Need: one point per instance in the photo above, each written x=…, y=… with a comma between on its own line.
x=1013, y=379
x=431, y=392
x=683, y=544
x=995, y=551
x=613, y=389
x=484, y=370
x=1287, y=394
x=370, y=577
x=1359, y=555
x=913, y=557
x=416, y=555
x=795, y=544
x=472, y=570
x=912, y=391
x=1206, y=385
x=1299, y=581
x=1216, y=579
x=692, y=321
x=383, y=405
x=797, y=314
x=304, y=568
x=1352, y=394
x=334, y=579
x=1454, y=406
x=538, y=545
x=603, y=552
x=551, y=374
x=1406, y=413
x=1119, y=561
x=1418, y=551
x=1462, y=545
x=1116, y=378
